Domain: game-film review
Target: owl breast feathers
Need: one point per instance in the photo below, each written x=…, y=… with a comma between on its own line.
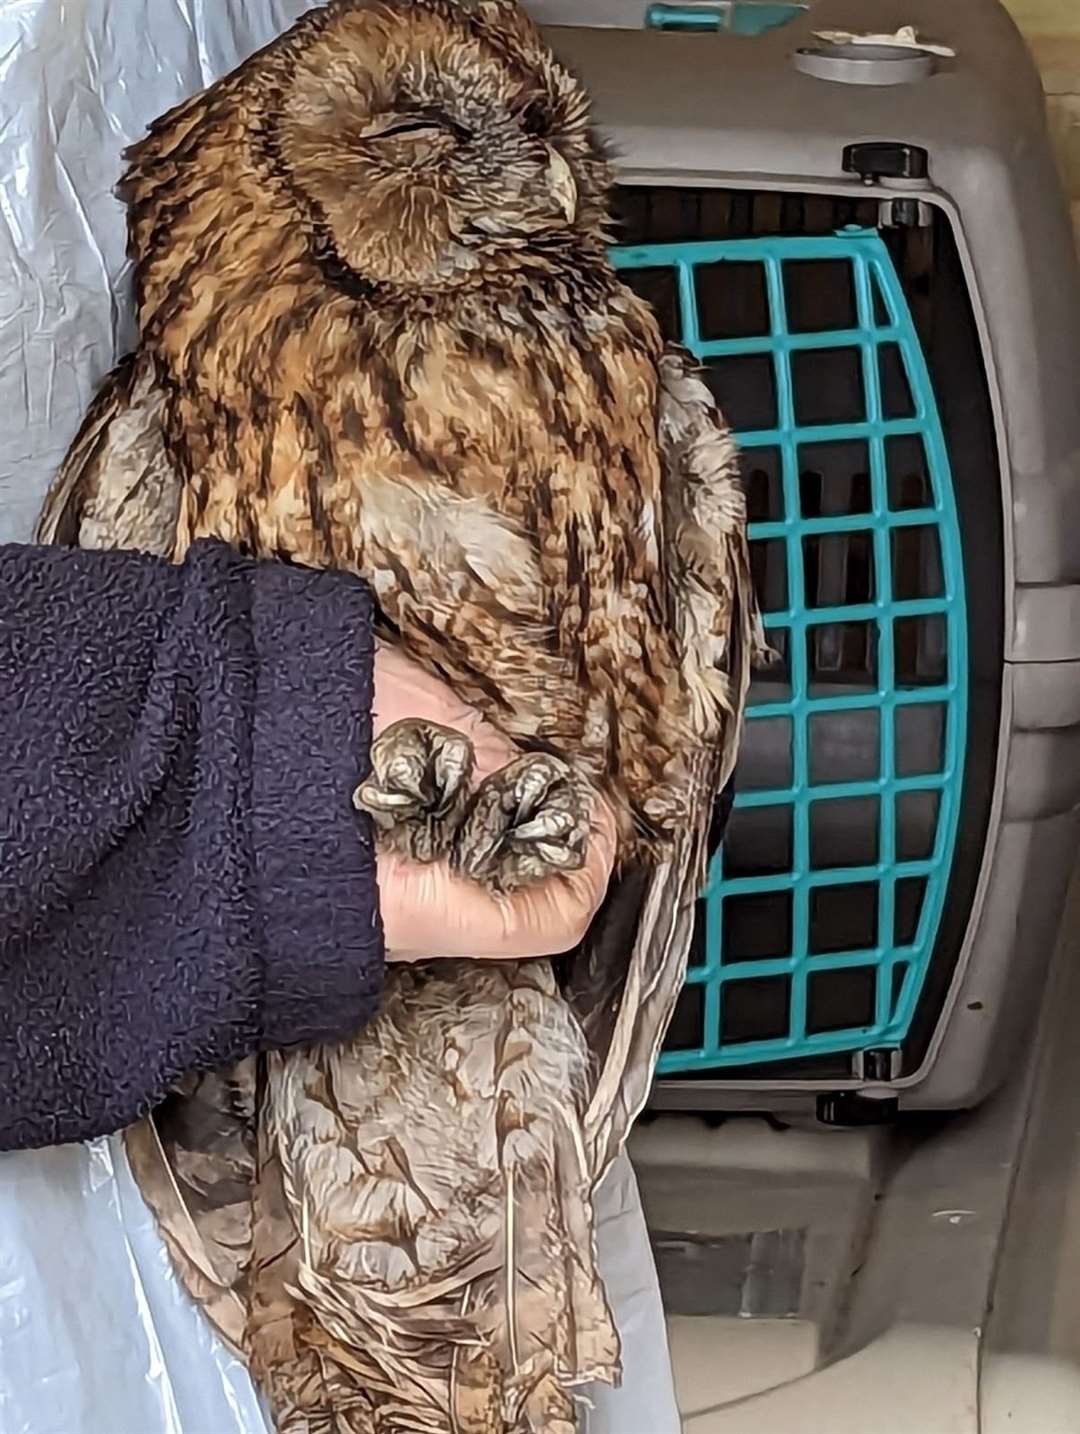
x=379, y=331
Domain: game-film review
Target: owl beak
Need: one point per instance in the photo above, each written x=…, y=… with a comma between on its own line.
x=562, y=185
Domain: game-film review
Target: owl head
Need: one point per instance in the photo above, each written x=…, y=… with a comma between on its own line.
x=423, y=144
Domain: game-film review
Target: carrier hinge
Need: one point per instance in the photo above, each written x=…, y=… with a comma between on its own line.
x=878, y=1066
x=904, y=214
x=904, y=167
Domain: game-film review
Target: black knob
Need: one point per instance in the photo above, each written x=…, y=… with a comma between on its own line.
x=848, y=1108
x=886, y=160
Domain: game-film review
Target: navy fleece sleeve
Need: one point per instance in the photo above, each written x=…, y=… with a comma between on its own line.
x=183, y=879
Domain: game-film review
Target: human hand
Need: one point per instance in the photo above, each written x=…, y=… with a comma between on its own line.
x=427, y=910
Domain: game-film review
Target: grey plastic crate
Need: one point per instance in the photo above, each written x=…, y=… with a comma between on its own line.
x=721, y=137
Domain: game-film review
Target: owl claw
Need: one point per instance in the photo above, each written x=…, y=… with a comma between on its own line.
x=526, y=822
x=418, y=789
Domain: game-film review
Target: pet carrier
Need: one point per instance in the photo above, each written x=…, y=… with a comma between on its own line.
x=876, y=271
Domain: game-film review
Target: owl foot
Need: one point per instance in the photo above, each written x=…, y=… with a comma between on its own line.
x=418, y=789
x=526, y=822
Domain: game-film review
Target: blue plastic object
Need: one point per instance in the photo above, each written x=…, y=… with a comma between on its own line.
x=896, y=968
x=731, y=17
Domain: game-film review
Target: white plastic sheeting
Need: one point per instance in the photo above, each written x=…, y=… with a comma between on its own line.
x=96, y=1336
x=79, y=81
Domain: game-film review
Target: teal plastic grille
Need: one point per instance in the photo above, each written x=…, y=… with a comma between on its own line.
x=820, y=939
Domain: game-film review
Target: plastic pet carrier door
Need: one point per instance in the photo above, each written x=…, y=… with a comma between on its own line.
x=823, y=908
x=876, y=273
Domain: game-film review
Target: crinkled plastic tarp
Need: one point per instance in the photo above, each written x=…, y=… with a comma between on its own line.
x=79, y=81
x=96, y=1336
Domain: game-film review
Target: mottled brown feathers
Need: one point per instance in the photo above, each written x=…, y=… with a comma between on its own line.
x=379, y=331
x=117, y=487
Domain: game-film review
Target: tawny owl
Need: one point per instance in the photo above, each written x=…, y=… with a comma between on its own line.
x=379, y=331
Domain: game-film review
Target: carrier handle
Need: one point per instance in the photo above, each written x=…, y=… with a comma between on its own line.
x=689, y=17
x=739, y=17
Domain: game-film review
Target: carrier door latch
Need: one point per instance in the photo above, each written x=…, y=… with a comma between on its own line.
x=848, y=1109
x=883, y=161
x=893, y=164
x=852, y=1107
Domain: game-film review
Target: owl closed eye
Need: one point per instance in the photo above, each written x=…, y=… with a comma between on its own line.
x=431, y=148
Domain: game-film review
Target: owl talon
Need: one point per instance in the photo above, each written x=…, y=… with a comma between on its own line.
x=526, y=822
x=418, y=789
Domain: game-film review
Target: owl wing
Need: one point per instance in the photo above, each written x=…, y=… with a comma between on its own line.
x=117, y=487
x=195, y=1161
x=651, y=906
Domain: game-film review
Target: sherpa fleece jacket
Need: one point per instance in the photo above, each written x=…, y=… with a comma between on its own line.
x=183, y=878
